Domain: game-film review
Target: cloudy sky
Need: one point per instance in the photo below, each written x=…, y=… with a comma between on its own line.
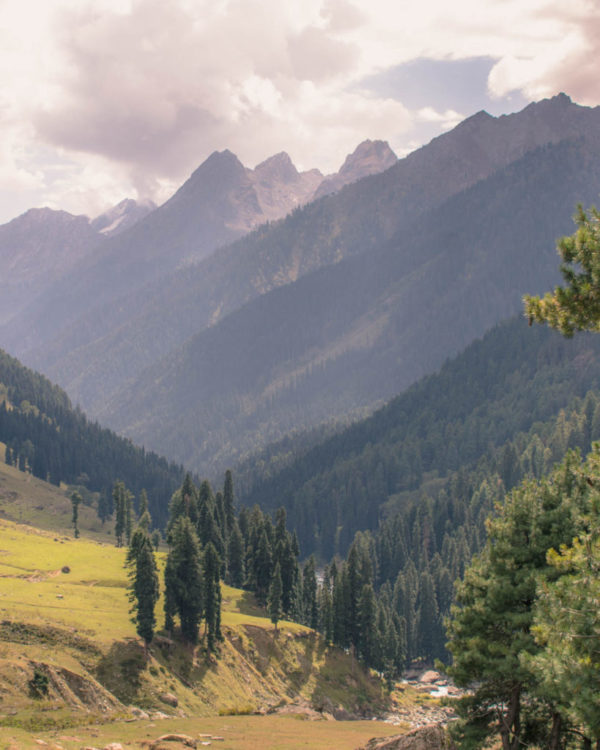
x=106, y=99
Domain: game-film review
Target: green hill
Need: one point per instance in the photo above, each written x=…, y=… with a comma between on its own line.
x=64, y=615
x=54, y=441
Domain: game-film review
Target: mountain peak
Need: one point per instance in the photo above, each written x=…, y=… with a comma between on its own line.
x=368, y=157
x=561, y=99
x=279, y=167
x=122, y=216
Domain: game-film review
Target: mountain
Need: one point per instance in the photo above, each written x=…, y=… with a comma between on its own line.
x=95, y=355
x=280, y=187
x=515, y=381
x=369, y=157
x=221, y=201
x=349, y=335
x=43, y=432
x=122, y=216
x=35, y=250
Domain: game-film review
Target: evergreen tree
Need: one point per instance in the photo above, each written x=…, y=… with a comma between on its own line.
x=119, y=499
x=576, y=306
x=429, y=625
x=341, y=608
x=145, y=520
x=325, y=604
x=567, y=626
x=262, y=566
x=235, y=557
x=274, y=599
x=367, y=629
x=490, y=631
x=76, y=501
x=128, y=515
x=228, y=502
x=184, y=503
x=309, y=594
x=184, y=580
x=212, y=595
x=144, y=589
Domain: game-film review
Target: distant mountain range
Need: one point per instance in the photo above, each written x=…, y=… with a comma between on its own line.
x=321, y=315
x=137, y=243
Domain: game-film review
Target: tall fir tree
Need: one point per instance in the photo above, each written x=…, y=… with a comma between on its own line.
x=274, y=607
x=184, y=581
x=144, y=589
x=211, y=564
x=76, y=501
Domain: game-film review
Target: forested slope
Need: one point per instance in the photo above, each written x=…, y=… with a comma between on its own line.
x=45, y=434
x=351, y=335
x=498, y=387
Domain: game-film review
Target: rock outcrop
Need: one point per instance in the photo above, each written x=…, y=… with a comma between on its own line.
x=433, y=737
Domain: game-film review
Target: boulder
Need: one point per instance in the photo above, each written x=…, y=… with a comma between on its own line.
x=432, y=737
x=169, y=699
x=183, y=739
x=429, y=677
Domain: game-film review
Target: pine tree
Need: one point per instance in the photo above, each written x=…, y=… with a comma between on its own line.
x=144, y=590
x=184, y=581
x=145, y=520
x=228, y=502
x=367, y=629
x=263, y=566
x=212, y=595
x=341, y=609
x=309, y=594
x=274, y=599
x=490, y=630
x=119, y=500
x=128, y=515
x=235, y=557
x=429, y=625
x=576, y=306
x=76, y=501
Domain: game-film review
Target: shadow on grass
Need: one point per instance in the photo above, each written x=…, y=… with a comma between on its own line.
x=342, y=682
x=121, y=668
x=247, y=605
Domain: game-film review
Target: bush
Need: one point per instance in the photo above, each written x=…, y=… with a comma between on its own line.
x=38, y=684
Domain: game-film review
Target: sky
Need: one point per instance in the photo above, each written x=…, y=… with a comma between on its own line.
x=106, y=99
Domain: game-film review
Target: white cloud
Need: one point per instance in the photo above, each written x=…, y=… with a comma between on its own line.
x=104, y=98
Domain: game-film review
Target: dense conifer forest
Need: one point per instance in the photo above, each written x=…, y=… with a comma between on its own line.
x=56, y=442
x=511, y=381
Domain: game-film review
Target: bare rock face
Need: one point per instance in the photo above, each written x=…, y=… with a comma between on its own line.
x=433, y=737
x=280, y=187
x=369, y=157
x=122, y=216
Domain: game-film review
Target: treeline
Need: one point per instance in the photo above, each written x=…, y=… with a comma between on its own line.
x=500, y=386
x=44, y=434
x=209, y=542
x=425, y=545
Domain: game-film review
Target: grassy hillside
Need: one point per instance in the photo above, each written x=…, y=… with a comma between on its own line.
x=29, y=500
x=43, y=432
x=64, y=613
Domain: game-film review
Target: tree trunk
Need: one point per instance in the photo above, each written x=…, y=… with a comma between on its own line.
x=510, y=722
x=556, y=732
